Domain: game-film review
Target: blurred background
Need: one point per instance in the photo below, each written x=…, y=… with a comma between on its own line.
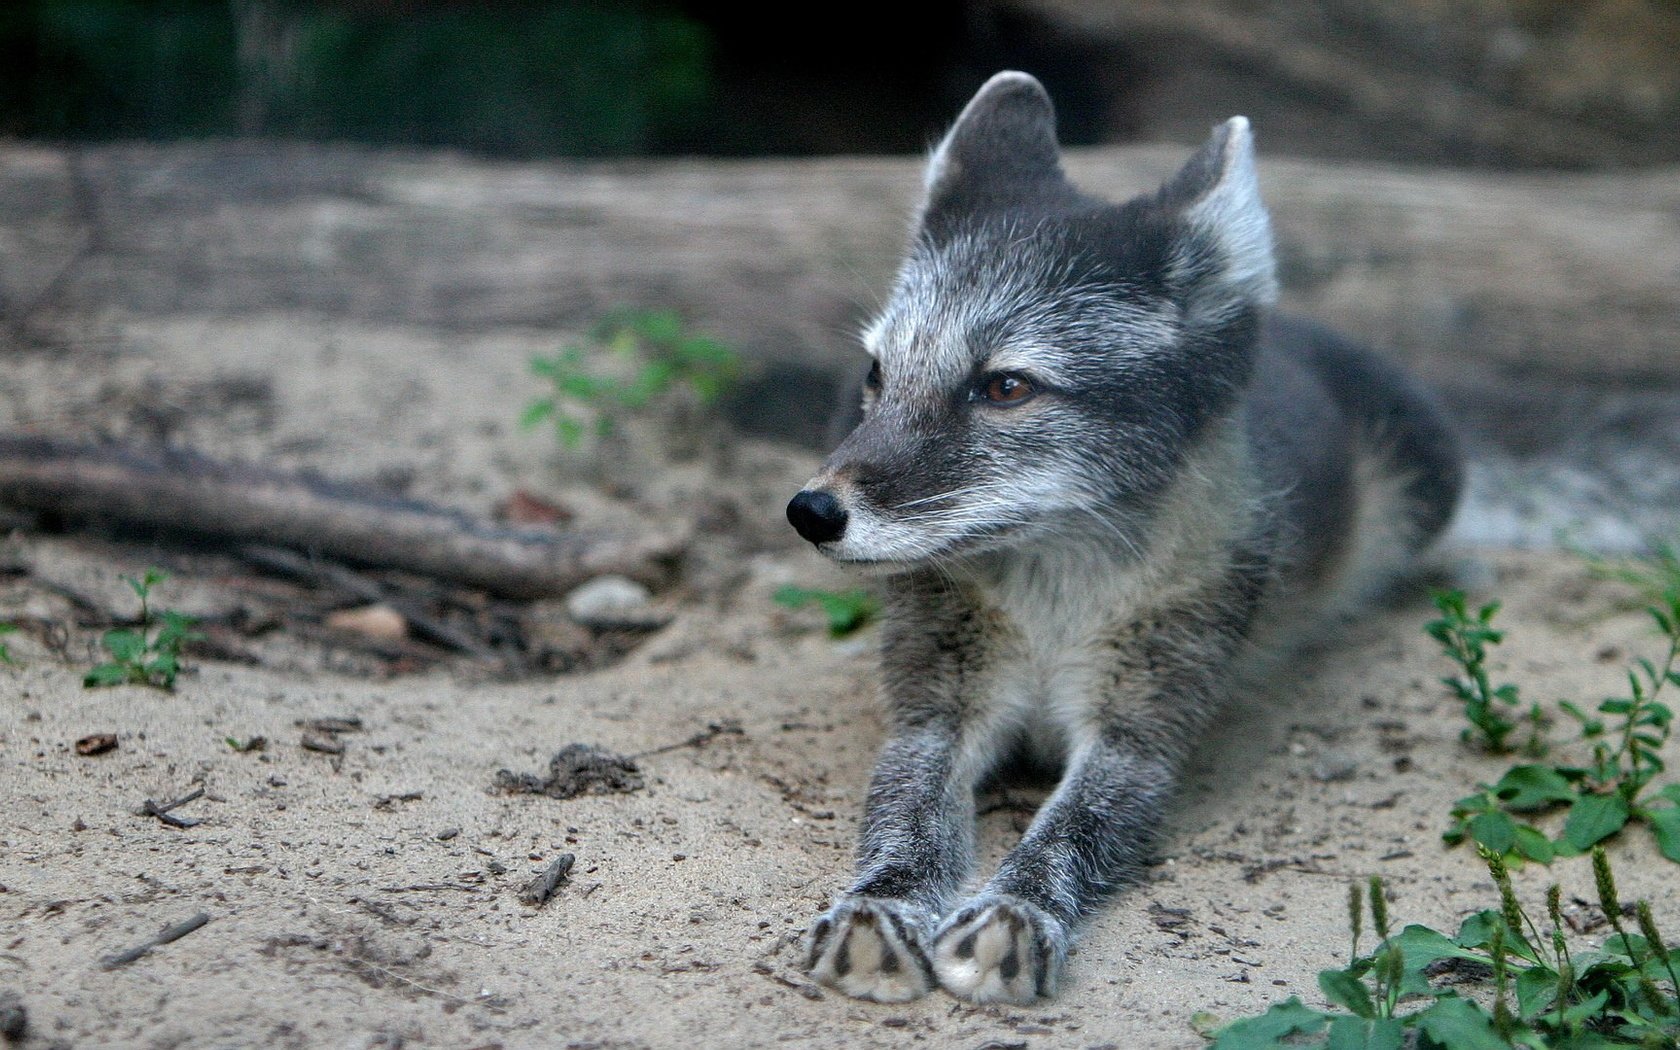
x=343, y=202
x=1483, y=83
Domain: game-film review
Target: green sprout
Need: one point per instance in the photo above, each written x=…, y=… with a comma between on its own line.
x=657, y=358
x=846, y=610
x=1623, y=738
x=149, y=653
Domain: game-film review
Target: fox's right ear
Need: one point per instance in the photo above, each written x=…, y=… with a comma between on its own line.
x=1002, y=150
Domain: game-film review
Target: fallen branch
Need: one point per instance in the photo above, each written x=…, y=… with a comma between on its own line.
x=183, y=491
x=165, y=936
x=344, y=581
x=161, y=810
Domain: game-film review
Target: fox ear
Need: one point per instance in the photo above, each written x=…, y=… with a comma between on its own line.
x=1226, y=261
x=1001, y=150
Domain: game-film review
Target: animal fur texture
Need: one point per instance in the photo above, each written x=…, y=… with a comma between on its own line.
x=1095, y=471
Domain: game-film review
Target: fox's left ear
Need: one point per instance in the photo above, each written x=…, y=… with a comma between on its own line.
x=1226, y=261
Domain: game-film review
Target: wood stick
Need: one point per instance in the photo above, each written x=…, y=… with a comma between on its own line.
x=165, y=936
x=161, y=810
x=183, y=491
x=360, y=587
x=540, y=889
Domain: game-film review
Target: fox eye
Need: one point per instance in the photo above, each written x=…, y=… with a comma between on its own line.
x=1007, y=389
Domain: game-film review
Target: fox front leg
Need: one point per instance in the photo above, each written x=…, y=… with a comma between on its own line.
x=1163, y=678
x=917, y=846
x=1009, y=943
x=940, y=661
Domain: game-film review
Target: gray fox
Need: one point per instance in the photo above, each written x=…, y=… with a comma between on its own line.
x=1099, y=477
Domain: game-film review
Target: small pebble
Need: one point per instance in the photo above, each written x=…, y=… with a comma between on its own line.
x=448, y=833
x=14, y=1019
x=1335, y=766
x=608, y=600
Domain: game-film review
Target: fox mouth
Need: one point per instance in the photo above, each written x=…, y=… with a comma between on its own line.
x=848, y=527
x=945, y=550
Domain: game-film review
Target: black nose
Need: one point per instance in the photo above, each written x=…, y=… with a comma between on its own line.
x=818, y=516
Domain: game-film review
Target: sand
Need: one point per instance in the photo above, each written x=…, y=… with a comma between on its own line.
x=372, y=898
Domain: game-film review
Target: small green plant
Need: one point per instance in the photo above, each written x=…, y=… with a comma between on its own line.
x=1545, y=995
x=5, y=653
x=150, y=653
x=655, y=358
x=1465, y=638
x=1624, y=738
x=846, y=610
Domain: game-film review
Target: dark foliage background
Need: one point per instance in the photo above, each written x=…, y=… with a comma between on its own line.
x=1501, y=83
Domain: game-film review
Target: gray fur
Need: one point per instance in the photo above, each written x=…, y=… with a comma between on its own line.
x=1084, y=575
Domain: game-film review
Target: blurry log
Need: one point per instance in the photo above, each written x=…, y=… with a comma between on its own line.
x=184, y=492
x=1469, y=276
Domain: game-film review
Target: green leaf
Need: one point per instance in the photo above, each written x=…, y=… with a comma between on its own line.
x=1536, y=991
x=162, y=671
x=846, y=610
x=536, y=412
x=1358, y=1033
x=1477, y=930
x=126, y=646
x=581, y=387
x=1346, y=991
x=1584, y=1010
x=1266, y=1031
x=1533, y=787
x=1458, y=1024
x=1665, y=825
x=1594, y=818
x=1496, y=831
x=569, y=430
x=657, y=326
x=1422, y=946
x=176, y=631
x=106, y=674
x=148, y=579
x=1534, y=845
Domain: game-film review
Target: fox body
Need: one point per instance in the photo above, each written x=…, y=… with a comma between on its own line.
x=1096, y=473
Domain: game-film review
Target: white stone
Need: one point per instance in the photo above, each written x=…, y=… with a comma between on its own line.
x=608, y=600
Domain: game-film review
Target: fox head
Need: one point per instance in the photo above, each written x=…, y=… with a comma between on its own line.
x=1046, y=359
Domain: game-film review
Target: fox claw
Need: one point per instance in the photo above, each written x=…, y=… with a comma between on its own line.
x=871, y=948
x=998, y=948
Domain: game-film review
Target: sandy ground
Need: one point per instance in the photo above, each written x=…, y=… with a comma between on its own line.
x=372, y=898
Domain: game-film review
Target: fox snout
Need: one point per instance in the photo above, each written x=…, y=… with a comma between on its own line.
x=817, y=516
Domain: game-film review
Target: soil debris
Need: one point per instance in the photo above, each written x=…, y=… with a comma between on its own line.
x=96, y=744
x=713, y=730
x=538, y=891
x=576, y=769
x=163, y=810
x=165, y=936
x=325, y=743
x=374, y=621
x=522, y=508
x=14, y=1019
x=322, y=734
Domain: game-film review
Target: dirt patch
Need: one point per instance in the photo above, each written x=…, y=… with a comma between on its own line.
x=576, y=769
x=373, y=892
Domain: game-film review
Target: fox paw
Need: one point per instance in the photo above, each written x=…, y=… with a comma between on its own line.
x=998, y=948
x=871, y=948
